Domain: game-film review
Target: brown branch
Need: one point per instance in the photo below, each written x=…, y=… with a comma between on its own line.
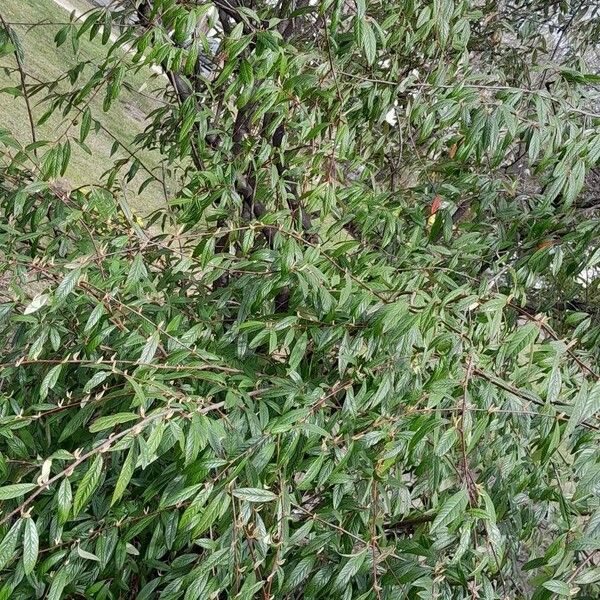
x=116, y=361
x=374, y=548
x=410, y=522
x=466, y=471
x=476, y=86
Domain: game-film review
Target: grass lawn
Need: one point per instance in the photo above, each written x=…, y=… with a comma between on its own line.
x=45, y=62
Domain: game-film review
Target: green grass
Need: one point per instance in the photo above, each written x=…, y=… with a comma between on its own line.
x=44, y=61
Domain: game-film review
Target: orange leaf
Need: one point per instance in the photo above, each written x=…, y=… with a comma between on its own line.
x=435, y=204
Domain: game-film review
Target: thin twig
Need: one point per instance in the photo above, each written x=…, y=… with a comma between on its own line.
x=520, y=394
x=476, y=86
x=23, y=87
x=467, y=476
x=374, y=549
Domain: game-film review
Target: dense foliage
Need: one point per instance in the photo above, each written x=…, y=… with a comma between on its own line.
x=355, y=356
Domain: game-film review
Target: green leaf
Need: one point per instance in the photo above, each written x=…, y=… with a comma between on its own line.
x=350, y=569
x=311, y=472
x=587, y=577
x=575, y=182
x=520, y=339
x=368, y=41
x=558, y=587
x=587, y=403
x=64, y=500
x=533, y=148
x=196, y=589
x=137, y=271
x=111, y=420
x=37, y=303
x=149, y=349
x=300, y=572
x=67, y=285
x=86, y=555
x=246, y=75
x=554, y=382
x=195, y=439
x=16, y=490
x=9, y=543
x=96, y=380
x=254, y=495
x=60, y=581
x=125, y=474
x=86, y=122
x=30, y=546
x=94, y=317
x=49, y=381
x=298, y=351
x=210, y=514
x=451, y=510
x=131, y=549
x=88, y=485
